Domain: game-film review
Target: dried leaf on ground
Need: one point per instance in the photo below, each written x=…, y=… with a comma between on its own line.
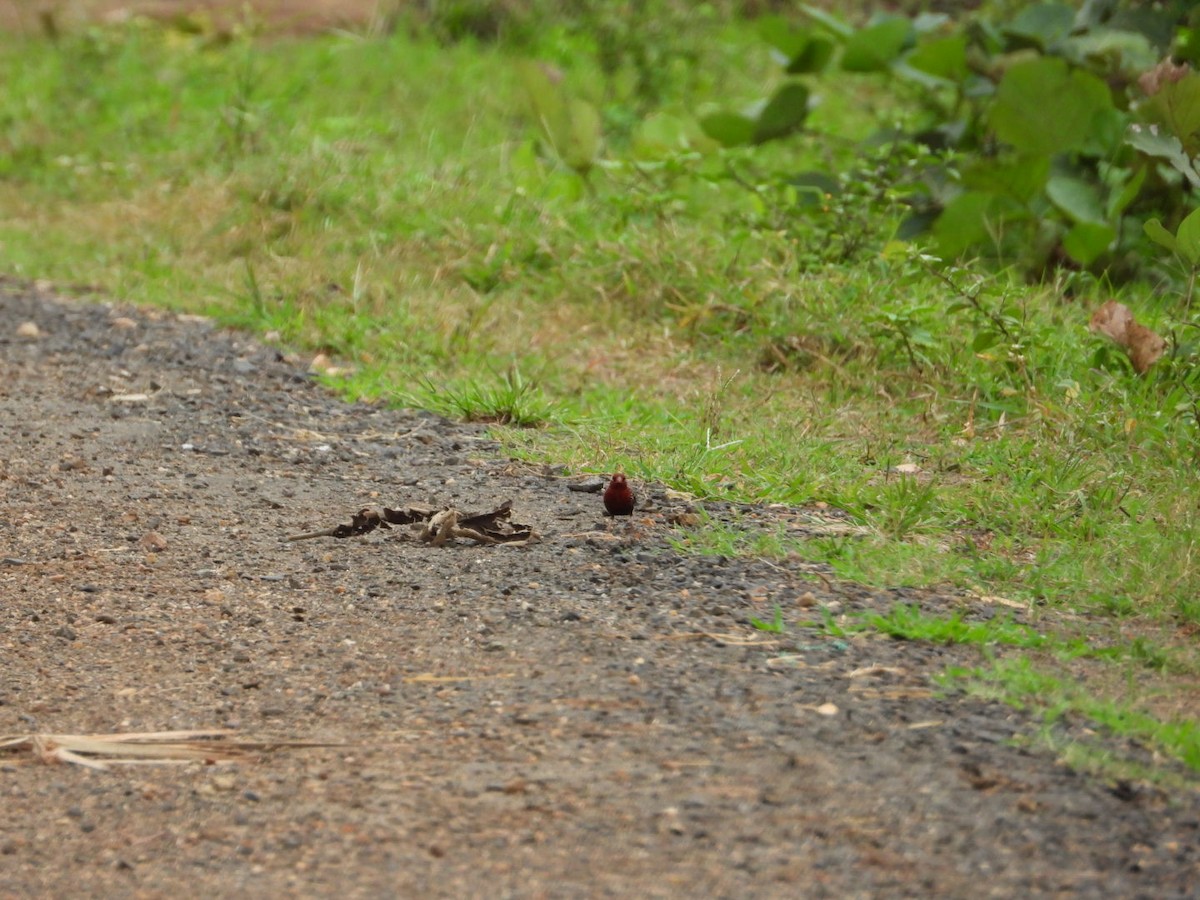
x=437, y=526
x=1115, y=321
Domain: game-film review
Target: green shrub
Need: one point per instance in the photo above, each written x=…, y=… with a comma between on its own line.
x=1052, y=136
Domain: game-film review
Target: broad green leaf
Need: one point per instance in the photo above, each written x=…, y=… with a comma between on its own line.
x=813, y=187
x=963, y=223
x=1020, y=179
x=546, y=100
x=662, y=136
x=1043, y=108
x=782, y=35
x=1043, y=24
x=1177, y=107
x=729, y=128
x=1151, y=140
x=1107, y=132
x=915, y=225
x=1078, y=199
x=876, y=47
x=1128, y=50
x=1119, y=200
x=1188, y=237
x=784, y=113
x=571, y=125
x=802, y=49
x=583, y=141
x=1156, y=232
x=943, y=58
x=984, y=341
x=813, y=58
x=1086, y=241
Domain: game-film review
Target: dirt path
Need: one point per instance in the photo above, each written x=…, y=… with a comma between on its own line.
x=587, y=716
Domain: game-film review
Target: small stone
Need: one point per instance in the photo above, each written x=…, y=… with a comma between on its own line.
x=153, y=542
x=29, y=330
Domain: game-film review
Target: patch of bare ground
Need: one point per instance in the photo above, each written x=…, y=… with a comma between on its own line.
x=588, y=715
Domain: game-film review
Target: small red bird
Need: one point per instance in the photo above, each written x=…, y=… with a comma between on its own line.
x=618, y=498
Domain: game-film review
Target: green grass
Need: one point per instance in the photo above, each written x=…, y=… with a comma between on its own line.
x=1055, y=699
x=386, y=199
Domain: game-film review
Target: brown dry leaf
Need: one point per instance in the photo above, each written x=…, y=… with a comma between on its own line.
x=409, y=514
x=1115, y=321
x=153, y=542
x=437, y=526
x=1145, y=347
x=1166, y=72
x=1111, y=320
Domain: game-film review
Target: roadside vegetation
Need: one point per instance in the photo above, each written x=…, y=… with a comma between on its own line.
x=837, y=263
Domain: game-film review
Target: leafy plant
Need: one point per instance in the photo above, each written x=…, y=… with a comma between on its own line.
x=570, y=124
x=1047, y=128
x=1185, y=244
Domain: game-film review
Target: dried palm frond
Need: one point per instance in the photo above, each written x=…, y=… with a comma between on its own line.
x=99, y=751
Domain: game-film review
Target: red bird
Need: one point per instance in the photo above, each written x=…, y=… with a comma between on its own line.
x=618, y=498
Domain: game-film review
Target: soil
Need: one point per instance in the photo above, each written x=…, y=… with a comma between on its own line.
x=592, y=714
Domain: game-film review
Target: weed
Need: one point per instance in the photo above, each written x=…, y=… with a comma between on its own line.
x=907, y=622
x=509, y=399
x=903, y=507
x=775, y=626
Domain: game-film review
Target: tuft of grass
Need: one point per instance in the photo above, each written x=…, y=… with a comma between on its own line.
x=508, y=399
x=907, y=622
x=775, y=626
x=1018, y=683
